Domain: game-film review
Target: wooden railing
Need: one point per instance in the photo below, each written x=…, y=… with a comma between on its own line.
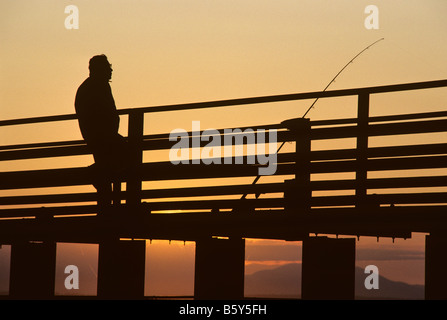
x=294, y=191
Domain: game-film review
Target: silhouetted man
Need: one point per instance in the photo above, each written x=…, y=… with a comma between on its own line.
x=99, y=122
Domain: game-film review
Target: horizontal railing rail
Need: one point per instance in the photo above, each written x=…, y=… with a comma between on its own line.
x=247, y=101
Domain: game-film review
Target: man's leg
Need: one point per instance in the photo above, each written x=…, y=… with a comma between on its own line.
x=104, y=196
x=121, y=166
x=102, y=178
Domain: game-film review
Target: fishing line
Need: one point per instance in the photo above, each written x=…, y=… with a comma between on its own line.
x=315, y=101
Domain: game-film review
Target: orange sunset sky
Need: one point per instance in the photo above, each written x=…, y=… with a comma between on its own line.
x=178, y=51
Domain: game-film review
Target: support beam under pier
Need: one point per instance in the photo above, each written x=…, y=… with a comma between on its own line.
x=32, y=272
x=219, y=269
x=435, y=263
x=328, y=271
x=121, y=269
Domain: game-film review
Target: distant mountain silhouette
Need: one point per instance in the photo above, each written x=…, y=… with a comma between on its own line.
x=388, y=289
x=285, y=282
x=281, y=282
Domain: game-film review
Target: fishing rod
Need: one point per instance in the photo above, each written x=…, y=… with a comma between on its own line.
x=315, y=101
x=341, y=70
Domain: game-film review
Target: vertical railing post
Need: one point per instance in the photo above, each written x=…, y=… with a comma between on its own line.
x=121, y=263
x=134, y=183
x=298, y=192
x=362, y=152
